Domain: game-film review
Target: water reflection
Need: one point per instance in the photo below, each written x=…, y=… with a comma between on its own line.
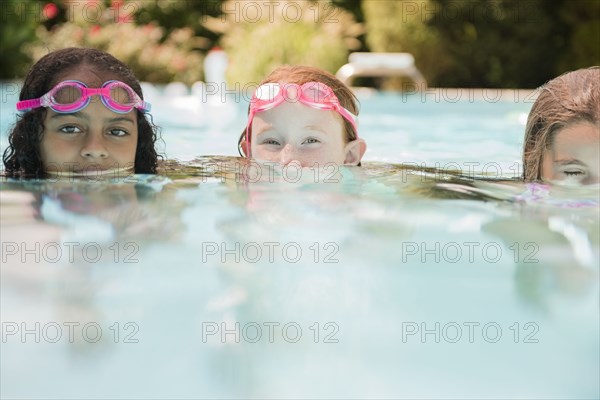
x=378, y=250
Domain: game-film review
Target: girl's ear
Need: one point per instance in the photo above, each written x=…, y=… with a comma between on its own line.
x=244, y=147
x=354, y=151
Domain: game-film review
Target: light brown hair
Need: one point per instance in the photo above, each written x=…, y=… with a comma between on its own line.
x=570, y=98
x=300, y=74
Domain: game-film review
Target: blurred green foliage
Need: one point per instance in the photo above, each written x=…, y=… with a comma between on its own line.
x=583, y=20
x=18, y=22
x=499, y=43
x=259, y=36
x=176, y=14
x=456, y=43
x=402, y=26
x=150, y=58
x=155, y=53
x=488, y=43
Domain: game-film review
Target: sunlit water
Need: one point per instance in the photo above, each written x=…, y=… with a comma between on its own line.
x=220, y=278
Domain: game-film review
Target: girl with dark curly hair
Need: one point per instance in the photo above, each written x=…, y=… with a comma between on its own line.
x=82, y=112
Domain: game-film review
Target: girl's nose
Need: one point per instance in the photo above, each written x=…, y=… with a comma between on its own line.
x=94, y=147
x=288, y=154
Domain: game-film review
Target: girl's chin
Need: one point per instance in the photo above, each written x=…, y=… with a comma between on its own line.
x=93, y=171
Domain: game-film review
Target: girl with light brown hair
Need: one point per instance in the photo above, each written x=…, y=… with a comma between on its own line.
x=562, y=137
x=303, y=114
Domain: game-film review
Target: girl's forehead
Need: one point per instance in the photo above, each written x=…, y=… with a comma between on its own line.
x=578, y=133
x=292, y=117
x=89, y=75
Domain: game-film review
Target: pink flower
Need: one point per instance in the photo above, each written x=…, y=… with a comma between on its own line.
x=178, y=63
x=95, y=29
x=50, y=11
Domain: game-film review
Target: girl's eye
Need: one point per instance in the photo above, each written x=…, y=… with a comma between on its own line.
x=69, y=129
x=272, y=142
x=311, y=140
x=573, y=173
x=118, y=132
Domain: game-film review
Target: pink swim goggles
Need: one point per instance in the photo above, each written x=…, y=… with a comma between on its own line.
x=313, y=94
x=72, y=96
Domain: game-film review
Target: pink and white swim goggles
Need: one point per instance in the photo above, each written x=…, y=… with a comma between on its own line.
x=313, y=94
x=71, y=96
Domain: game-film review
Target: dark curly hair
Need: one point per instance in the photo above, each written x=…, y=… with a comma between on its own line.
x=22, y=156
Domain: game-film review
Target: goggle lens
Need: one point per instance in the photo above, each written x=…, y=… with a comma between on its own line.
x=267, y=91
x=121, y=96
x=317, y=93
x=67, y=95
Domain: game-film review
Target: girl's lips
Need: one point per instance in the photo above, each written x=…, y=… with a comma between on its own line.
x=92, y=170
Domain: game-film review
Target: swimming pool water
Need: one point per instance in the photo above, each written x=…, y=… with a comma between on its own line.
x=378, y=281
x=486, y=126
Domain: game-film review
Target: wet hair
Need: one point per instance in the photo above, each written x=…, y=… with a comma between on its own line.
x=571, y=98
x=22, y=156
x=299, y=74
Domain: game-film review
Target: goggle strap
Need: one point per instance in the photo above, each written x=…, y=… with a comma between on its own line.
x=24, y=105
x=144, y=107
